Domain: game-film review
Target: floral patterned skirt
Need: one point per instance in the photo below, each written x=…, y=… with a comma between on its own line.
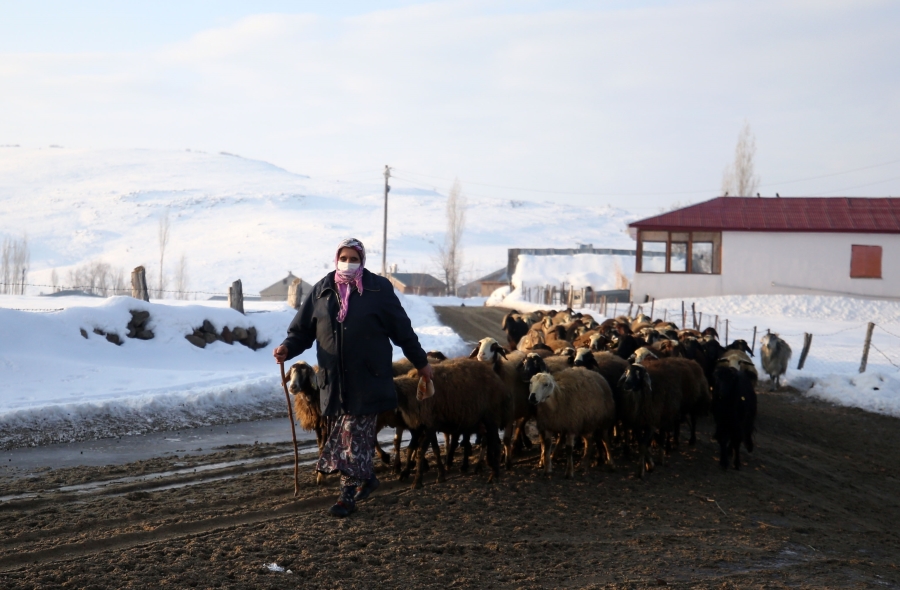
x=350, y=449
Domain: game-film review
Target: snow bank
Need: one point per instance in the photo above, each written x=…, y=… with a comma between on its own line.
x=56, y=385
x=598, y=271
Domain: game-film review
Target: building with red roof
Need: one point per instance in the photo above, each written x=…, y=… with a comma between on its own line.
x=746, y=245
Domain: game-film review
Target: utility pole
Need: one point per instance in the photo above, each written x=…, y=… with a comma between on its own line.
x=387, y=189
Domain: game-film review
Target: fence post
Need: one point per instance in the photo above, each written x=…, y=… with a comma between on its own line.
x=683, y=316
x=630, y=307
x=694, y=315
x=295, y=294
x=665, y=313
x=726, y=331
x=717, y=323
x=139, y=284
x=236, y=296
x=865, y=357
x=752, y=344
x=652, y=306
x=807, y=342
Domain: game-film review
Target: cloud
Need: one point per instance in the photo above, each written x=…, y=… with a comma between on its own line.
x=628, y=100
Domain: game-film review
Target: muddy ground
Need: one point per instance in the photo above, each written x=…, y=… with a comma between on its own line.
x=816, y=506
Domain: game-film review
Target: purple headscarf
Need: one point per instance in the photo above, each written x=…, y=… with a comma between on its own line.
x=344, y=279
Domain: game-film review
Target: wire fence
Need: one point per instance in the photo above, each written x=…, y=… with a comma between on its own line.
x=832, y=351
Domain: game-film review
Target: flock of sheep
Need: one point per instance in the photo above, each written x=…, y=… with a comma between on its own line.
x=631, y=382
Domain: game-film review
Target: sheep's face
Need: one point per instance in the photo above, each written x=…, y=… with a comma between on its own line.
x=642, y=354
x=302, y=380
x=595, y=341
x=488, y=350
x=635, y=379
x=541, y=388
x=531, y=366
x=741, y=345
x=584, y=358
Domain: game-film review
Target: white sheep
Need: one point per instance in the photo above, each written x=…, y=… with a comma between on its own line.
x=574, y=402
x=775, y=354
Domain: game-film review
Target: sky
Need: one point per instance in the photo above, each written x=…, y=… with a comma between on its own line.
x=632, y=104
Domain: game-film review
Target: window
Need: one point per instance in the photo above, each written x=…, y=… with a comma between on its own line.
x=865, y=262
x=702, y=258
x=653, y=257
x=679, y=252
x=678, y=257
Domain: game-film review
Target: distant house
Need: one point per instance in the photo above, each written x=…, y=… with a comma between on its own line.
x=417, y=283
x=486, y=285
x=746, y=245
x=278, y=291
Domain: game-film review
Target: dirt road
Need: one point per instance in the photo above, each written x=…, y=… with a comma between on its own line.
x=817, y=505
x=474, y=323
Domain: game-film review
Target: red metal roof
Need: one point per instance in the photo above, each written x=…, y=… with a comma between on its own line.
x=788, y=214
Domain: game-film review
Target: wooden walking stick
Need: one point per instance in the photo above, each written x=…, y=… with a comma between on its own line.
x=287, y=396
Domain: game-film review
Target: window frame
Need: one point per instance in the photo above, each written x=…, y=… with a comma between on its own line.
x=676, y=236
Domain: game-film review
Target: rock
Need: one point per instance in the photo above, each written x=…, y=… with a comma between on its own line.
x=210, y=338
x=239, y=334
x=84, y=333
x=227, y=336
x=208, y=327
x=99, y=332
x=114, y=338
x=145, y=335
x=196, y=340
x=250, y=341
x=132, y=331
x=139, y=317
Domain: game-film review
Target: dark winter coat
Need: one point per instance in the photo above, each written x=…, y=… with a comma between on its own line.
x=354, y=375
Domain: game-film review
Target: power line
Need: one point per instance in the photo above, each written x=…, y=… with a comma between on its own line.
x=673, y=193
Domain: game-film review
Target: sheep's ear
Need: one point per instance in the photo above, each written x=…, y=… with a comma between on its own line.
x=474, y=353
x=310, y=376
x=503, y=352
x=647, y=381
x=632, y=358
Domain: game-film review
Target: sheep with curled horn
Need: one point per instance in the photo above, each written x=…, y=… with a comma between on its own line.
x=507, y=366
x=775, y=354
x=469, y=397
x=302, y=384
x=574, y=403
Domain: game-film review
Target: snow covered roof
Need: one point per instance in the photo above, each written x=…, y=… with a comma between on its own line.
x=418, y=279
x=795, y=214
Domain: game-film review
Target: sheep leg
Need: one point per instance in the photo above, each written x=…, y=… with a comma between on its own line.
x=467, y=455
x=570, y=460
x=724, y=451
x=451, y=442
x=607, y=448
x=693, y=422
x=436, y=449
x=420, y=460
x=382, y=454
x=736, y=447
x=547, y=452
x=491, y=445
x=589, y=450
x=411, y=452
x=398, y=440
x=508, y=444
x=558, y=448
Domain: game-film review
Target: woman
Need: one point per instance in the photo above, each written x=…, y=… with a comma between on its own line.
x=353, y=315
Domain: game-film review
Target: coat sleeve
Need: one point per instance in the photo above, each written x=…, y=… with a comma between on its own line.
x=302, y=331
x=401, y=332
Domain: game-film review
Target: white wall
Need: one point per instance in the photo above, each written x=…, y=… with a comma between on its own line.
x=800, y=263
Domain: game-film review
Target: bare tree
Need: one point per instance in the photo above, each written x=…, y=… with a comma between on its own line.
x=15, y=259
x=740, y=178
x=99, y=278
x=181, y=279
x=163, y=242
x=450, y=256
x=54, y=280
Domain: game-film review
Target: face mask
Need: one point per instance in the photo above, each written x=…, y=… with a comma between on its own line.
x=347, y=265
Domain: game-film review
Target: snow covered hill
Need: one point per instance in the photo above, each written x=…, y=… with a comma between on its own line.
x=238, y=218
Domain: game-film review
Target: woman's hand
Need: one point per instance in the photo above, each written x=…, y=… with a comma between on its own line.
x=426, y=373
x=280, y=353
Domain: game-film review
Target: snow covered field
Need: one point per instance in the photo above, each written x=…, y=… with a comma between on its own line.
x=56, y=385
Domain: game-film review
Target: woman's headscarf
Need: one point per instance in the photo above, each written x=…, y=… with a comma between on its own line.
x=344, y=279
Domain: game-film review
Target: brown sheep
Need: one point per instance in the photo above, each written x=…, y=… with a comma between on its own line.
x=574, y=403
x=469, y=396
x=695, y=393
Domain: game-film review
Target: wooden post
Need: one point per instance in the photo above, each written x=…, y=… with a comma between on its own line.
x=700, y=321
x=615, y=307
x=865, y=357
x=683, y=317
x=652, y=306
x=630, y=307
x=236, y=296
x=665, y=313
x=295, y=294
x=726, y=331
x=139, y=284
x=717, y=323
x=752, y=344
x=807, y=342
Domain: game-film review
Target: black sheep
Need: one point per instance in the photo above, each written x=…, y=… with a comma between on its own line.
x=734, y=409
